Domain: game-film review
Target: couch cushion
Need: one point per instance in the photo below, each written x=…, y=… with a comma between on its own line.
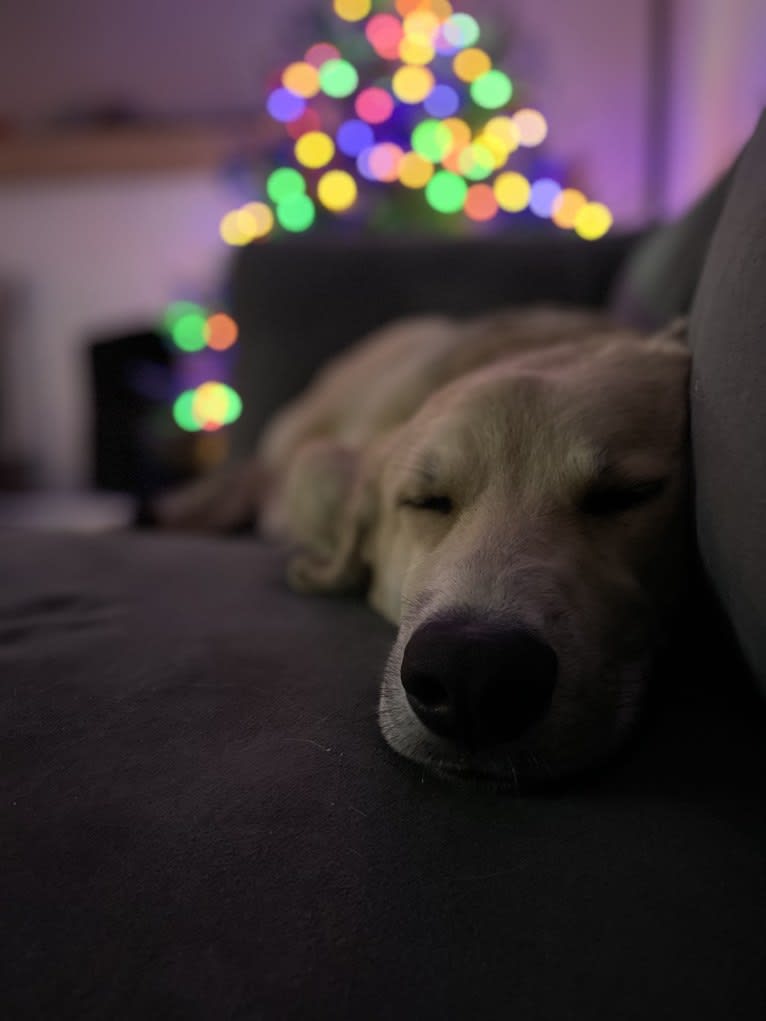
x=728, y=340
x=204, y=821
x=656, y=283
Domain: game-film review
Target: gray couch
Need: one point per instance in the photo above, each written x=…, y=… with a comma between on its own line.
x=202, y=818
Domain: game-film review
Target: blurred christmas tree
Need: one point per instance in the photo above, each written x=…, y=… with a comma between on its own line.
x=397, y=119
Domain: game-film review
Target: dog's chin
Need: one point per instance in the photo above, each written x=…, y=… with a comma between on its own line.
x=561, y=747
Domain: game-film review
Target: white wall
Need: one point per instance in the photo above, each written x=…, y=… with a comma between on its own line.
x=90, y=258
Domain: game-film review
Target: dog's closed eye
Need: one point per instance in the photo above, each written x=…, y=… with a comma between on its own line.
x=606, y=497
x=434, y=504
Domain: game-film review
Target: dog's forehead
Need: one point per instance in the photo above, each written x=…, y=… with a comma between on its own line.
x=575, y=401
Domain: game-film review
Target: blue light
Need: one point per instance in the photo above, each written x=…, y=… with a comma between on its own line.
x=354, y=136
x=363, y=164
x=442, y=102
x=285, y=106
x=544, y=194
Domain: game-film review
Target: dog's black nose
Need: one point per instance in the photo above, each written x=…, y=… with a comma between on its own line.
x=475, y=684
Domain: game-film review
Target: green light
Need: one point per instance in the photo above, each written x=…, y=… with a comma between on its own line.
x=492, y=90
x=284, y=183
x=446, y=192
x=188, y=332
x=338, y=78
x=476, y=162
x=176, y=309
x=183, y=412
x=233, y=405
x=432, y=139
x=297, y=213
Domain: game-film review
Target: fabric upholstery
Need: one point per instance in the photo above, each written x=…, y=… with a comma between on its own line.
x=728, y=340
x=200, y=819
x=656, y=283
x=300, y=301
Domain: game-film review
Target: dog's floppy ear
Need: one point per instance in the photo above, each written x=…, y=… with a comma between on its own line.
x=340, y=567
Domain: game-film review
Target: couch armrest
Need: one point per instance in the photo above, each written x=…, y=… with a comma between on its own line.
x=299, y=301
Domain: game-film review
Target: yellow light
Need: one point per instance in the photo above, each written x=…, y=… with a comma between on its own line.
x=415, y=171
x=504, y=131
x=421, y=25
x=210, y=404
x=593, y=221
x=442, y=9
x=476, y=162
x=414, y=50
x=412, y=84
x=471, y=64
x=512, y=192
x=352, y=10
x=495, y=148
x=302, y=79
x=566, y=207
x=230, y=230
x=531, y=126
x=314, y=149
x=337, y=190
x=460, y=131
x=260, y=218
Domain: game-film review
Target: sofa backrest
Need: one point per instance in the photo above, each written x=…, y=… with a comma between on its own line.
x=728, y=405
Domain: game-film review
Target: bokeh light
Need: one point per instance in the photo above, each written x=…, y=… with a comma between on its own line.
x=384, y=160
x=442, y=102
x=230, y=231
x=384, y=33
x=352, y=10
x=188, y=331
x=338, y=78
x=446, y=192
x=296, y=213
x=337, y=191
x=302, y=79
x=480, y=203
x=318, y=54
x=566, y=207
x=183, y=412
x=374, y=105
x=412, y=84
x=504, y=131
x=461, y=30
x=416, y=50
x=213, y=405
x=415, y=171
x=471, y=64
x=283, y=183
x=253, y=221
x=432, y=139
x=284, y=106
x=476, y=162
x=421, y=25
x=363, y=164
x=492, y=90
x=512, y=191
x=531, y=126
x=314, y=149
x=221, y=332
x=593, y=221
x=353, y=136
x=545, y=191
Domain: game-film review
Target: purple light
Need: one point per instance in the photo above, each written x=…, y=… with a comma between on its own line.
x=364, y=163
x=544, y=194
x=285, y=106
x=354, y=136
x=442, y=102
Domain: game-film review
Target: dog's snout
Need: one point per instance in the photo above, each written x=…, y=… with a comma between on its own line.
x=477, y=685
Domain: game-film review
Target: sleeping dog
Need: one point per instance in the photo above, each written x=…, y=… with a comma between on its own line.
x=511, y=492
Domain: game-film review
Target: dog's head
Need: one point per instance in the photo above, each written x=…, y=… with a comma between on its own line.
x=527, y=531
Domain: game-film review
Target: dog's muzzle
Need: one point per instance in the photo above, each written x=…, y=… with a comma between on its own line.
x=475, y=684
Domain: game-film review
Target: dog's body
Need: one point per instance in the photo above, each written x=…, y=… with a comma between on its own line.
x=511, y=492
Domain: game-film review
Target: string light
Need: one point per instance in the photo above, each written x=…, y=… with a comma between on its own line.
x=442, y=102
x=471, y=64
x=545, y=191
x=412, y=84
x=446, y=192
x=314, y=149
x=593, y=221
x=566, y=208
x=284, y=105
x=296, y=213
x=492, y=90
x=512, y=191
x=353, y=136
x=283, y=183
x=531, y=127
x=302, y=79
x=221, y=332
x=352, y=10
x=415, y=171
x=374, y=105
x=338, y=78
x=384, y=33
x=318, y=54
x=480, y=203
x=337, y=191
